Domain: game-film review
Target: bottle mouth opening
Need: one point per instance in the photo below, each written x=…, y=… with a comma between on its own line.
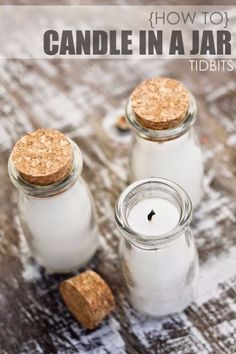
x=51, y=189
x=165, y=134
x=146, y=188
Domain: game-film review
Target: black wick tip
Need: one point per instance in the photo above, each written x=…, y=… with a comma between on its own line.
x=151, y=214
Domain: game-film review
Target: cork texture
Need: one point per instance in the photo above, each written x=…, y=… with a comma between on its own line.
x=43, y=157
x=88, y=298
x=160, y=103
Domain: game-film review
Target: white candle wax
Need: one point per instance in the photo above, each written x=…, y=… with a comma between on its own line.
x=142, y=219
x=61, y=228
x=179, y=160
x=160, y=270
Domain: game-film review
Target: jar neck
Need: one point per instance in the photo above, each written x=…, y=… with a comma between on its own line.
x=174, y=142
x=166, y=134
x=52, y=189
x=153, y=188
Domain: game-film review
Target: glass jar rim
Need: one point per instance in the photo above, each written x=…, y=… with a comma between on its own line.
x=153, y=184
x=165, y=134
x=50, y=190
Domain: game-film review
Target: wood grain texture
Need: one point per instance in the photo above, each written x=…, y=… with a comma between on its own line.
x=83, y=98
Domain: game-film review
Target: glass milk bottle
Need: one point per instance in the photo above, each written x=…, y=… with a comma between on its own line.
x=162, y=113
x=159, y=259
x=55, y=205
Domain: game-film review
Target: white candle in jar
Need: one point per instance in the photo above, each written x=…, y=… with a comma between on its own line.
x=56, y=208
x=158, y=255
x=162, y=113
x=153, y=216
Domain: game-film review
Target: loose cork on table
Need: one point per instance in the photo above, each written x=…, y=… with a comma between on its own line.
x=160, y=103
x=43, y=157
x=88, y=297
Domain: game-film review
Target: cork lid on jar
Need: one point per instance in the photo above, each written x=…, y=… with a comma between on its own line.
x=88, y=298
x=160, y=103
x=43, y=157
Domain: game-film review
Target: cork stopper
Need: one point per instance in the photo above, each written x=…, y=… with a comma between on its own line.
x=122, y=124
x=160, y=103
x=43, y=157
x=88, y=298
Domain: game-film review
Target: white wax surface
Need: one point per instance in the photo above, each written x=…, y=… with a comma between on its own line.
x=165, y=219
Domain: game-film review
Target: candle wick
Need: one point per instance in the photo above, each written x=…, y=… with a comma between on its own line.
x=151, y=214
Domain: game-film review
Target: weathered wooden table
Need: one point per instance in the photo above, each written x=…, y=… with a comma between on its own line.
x=83, y=98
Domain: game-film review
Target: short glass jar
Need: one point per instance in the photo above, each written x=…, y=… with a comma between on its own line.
x=58, y=220
x=160, y=268
x=173, y=153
